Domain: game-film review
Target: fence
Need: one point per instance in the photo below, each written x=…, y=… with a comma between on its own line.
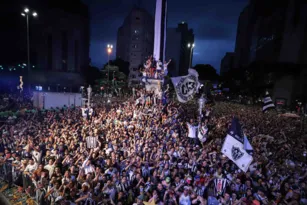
x=15, y=179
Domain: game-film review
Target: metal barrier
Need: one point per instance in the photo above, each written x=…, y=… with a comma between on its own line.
x=14, y=178
x=6, y=170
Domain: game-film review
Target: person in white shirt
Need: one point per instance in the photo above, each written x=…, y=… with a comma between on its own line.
x=158, y=69
x=37, y=154
x=31, y=167
x=165, y=70
x=144, y=78
x=185, y=198
x=50, y=167
x=87, y=166
x=192, y=132
x=26, y=177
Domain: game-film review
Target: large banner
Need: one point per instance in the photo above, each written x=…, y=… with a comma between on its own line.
x=186, y=86
x=237, y=147
x=235, y=151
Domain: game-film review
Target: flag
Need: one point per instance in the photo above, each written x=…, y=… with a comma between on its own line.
x=186, y=86
x=233, y=146
x=91, y=142
x=84, y=112
x=202, y=133
x=247, y=146
x=267, y=102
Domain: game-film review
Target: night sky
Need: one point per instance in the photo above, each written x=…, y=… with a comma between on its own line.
x=214, y=23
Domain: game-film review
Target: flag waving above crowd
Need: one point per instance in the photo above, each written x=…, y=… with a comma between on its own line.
x=186, y=86
x=236, y=146
x=267, y=102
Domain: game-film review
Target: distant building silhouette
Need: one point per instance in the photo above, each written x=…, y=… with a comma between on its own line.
x=274, y=32
x=59, y=39
x=227, y=63
x=135, y=41
x=177, y=49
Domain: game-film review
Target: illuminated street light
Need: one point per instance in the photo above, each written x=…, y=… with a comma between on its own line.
x=109, y=51
x=191, y=46
x=26, y=13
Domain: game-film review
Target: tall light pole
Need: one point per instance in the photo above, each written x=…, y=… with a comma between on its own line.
x=191, y=46
x=27, y=13
x=89, y=91
x=109, y=50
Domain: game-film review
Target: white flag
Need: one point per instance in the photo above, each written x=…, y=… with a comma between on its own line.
x=234, y=150
x=91, y=142
x=192, y=131
x=84, y=112
x=202, y=133
x=186, y=86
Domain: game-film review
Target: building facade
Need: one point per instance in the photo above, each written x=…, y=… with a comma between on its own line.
x=243, y=38
x=135, y=39
x=227, y=63
x=268, y=30
x=178, y=50
x=59, y=40
x=63, y=44
x=275, y=32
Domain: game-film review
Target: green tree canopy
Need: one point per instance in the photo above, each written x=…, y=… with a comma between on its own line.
x=206, y=72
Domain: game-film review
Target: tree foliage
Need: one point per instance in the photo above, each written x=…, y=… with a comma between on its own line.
x=116, y=79
x=122, y=65
x=206, y=72
x=91, y=74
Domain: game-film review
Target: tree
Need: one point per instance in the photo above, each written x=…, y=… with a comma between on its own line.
x=117, y=79
x=91, y=74
x=206, y=72
x=122, y=65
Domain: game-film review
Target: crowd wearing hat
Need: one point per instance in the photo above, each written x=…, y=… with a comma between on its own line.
x=141, y=153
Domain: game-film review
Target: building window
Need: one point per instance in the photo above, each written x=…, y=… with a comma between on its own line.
x=76, y=55
x=134, y=46
x=136, y=31
x=135, y=38
x=50, y=55
x=137, y=18
x=134, y=69
x=133, y=76
x=64, y=50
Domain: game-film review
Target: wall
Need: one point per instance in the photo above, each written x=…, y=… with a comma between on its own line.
x=47, y=100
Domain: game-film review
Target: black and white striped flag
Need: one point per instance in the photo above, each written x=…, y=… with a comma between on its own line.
x=267, y=103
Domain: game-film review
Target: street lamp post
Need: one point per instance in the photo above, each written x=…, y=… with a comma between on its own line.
x=26, y=13
x=89, y=91
x=191, y=46
x=109, y=50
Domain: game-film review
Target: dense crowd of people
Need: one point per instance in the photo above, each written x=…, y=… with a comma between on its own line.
x=154, y=69
x=141, y=152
